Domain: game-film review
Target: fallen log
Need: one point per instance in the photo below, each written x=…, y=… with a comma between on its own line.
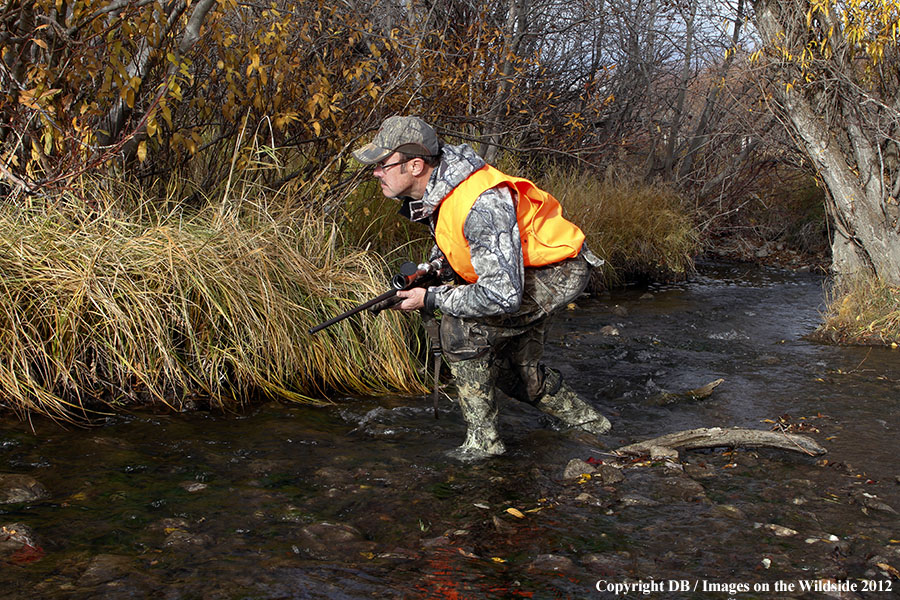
x=737, y=437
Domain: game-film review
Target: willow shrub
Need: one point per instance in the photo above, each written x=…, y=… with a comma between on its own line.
x=862, y=310
x=641, y=230
x=104, y=307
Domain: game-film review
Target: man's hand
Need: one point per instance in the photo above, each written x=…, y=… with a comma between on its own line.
x=413, y=299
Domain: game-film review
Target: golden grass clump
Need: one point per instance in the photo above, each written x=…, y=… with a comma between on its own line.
x=862, y=310
x=640, y=229
x=104, y=308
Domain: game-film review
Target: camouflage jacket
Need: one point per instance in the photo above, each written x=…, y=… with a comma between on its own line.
x=493, y=235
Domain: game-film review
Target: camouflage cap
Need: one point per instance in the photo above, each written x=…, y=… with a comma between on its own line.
x=411, y=135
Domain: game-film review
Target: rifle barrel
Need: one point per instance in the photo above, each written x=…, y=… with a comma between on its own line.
x=353, y=311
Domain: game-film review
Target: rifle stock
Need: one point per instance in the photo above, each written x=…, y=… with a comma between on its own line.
x=411, y=275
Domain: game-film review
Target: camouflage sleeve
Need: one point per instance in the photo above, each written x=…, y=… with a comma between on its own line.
x=493, y=235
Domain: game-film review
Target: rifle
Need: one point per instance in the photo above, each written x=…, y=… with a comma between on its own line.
x=410, y=276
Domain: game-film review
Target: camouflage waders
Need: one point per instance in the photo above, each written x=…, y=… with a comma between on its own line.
x=504, y=352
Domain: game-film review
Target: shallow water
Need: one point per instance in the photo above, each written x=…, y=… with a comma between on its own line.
x=360, y=501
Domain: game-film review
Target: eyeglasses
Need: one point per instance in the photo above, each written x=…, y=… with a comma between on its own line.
x=384, y=168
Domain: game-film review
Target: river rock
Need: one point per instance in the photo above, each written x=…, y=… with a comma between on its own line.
x=331, y=475
x=332, y=533
x=610, y=475
x=892, y=551
x=551, y=562
x=193, y=486
x=699, y=470
x=13, y=536
x=112, y=576
x=636, y=500
x=778, y=530
x=683, y=488
x=178, y=533
x=181, y=537
x=608, y=563
x=609, y=330
x=332, y=541
x=168, y=524
x=20, y=488
x=872, y=502
x=589, y=499
x=104, y=568
x=730, y=511
x=576, y=468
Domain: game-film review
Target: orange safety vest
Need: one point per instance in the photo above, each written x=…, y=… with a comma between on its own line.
x=546, y=236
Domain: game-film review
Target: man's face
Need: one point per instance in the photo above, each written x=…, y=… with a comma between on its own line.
x=395, y=176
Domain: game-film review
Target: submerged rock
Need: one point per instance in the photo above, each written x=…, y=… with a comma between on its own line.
x=608, y=563
x=637, y=500
x=576, y=468
x=610, y=475
x=778, y=530
x=332, y=533
x=682, y=488
x=589, y=499
x=14, y=537
x=180, y=537
x=193, y=486
x=332, y=541
x=104, y=568
x=730, y=511
x=699, y=470
x=20, y=488
x=551, y=562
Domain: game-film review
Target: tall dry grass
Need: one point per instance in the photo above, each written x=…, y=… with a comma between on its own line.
x=130, y=300
x=862, y=310
x=640, y=229
x=134, y=303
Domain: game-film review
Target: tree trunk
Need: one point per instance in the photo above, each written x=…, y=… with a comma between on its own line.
x=678, y=116
x=839, y=126
x=516, y=26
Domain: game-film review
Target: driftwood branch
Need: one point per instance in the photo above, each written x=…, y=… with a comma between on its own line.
x=714, y=437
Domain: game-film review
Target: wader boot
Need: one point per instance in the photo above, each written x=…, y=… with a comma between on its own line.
x=560, y=401
x=474, y=382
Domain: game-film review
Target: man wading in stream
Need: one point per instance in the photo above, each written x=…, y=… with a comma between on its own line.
x=517, y=261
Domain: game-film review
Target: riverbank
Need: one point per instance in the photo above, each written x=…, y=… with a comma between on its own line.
x=859, y=311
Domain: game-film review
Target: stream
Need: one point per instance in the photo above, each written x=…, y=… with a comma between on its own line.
x=359, y=500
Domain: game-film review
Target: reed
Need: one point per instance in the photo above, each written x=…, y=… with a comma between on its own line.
x=862, y=310
x=139, y=301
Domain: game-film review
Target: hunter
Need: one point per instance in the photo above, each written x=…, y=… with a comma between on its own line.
x=517, y=261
